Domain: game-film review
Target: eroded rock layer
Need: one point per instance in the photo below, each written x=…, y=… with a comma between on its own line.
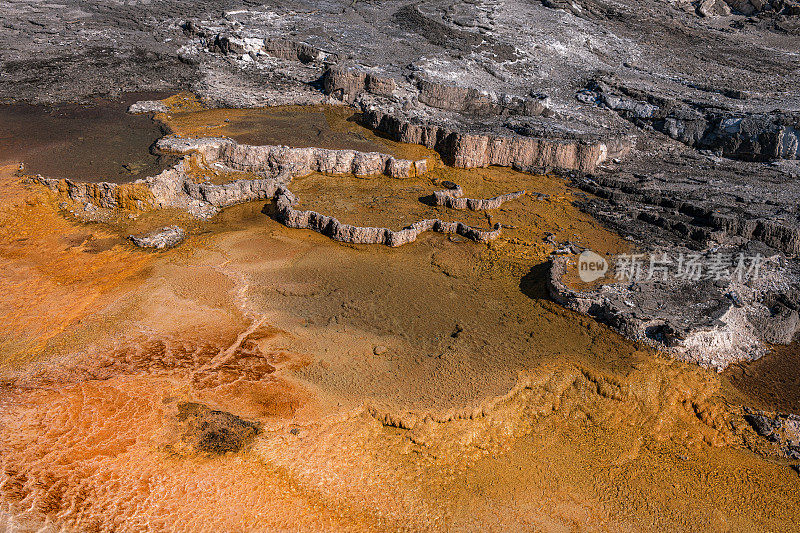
x=470, y=150
x=337, y=231
x=452, y=198
x=271, y=159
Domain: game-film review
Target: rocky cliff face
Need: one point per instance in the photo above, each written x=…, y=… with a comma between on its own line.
x=738, y=135
x=471, y=150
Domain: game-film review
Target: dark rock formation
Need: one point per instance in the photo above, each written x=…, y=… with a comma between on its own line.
x=748, y=136
x=787, y=8
x=695, y=210
x=214, y=432
x=783, y=430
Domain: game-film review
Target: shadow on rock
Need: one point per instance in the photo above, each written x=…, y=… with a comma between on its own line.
x=534, y=283
x=428, y=199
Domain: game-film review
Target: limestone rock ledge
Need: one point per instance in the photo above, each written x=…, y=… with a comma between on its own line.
x=452, y=198
x=270, y=159
x=331, y=227
x=473, y=150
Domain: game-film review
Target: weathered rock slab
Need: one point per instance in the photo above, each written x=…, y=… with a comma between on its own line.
x=161, y=239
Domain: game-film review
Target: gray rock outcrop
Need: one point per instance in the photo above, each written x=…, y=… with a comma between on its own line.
x=698, y=208
x=754, y=7
x=727, y=322
x=166, y=237
x=749, y=136
x=148, y=106
x=783, y=430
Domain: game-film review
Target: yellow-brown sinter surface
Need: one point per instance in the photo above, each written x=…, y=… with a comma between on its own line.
x=260, y=378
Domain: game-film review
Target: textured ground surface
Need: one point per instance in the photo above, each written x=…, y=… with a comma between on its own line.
x=682, y=118
x=257, y=377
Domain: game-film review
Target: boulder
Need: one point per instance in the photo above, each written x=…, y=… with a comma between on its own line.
x=166, y=237
x=713, y=8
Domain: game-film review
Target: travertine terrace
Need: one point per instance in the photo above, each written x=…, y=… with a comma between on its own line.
x=322, y=266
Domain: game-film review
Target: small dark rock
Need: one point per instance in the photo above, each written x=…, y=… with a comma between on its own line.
x=215, y=432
